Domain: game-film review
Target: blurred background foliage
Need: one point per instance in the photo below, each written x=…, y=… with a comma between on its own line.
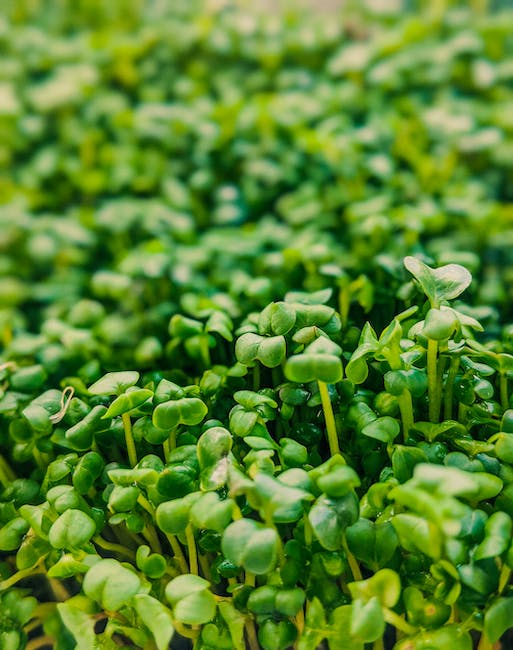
x=151, y=149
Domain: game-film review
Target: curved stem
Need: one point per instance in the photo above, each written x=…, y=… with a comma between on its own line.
x=449, y=387
x=251, y=634
x=169, y=444
x=503, y=389
x=115, y=548
x=351, y=560
x=6, y=473
x=191, y=548
x=485, y=643
x=406, y=409
x=398, y=622
x=150, y=534
x=129, y=439
x=256, y=376
x=19, y=575
x=40, y=642
x=329, y=417
x=432, y=354
x=177, y=552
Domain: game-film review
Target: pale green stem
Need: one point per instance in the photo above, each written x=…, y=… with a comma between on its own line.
x=449, y=387
x=432, y=354
x=504, y=577
x=205, y=567
x=251, y=635
x=503, y=388
x=177, y=552
x=351, y=560
x=59, y=591
x=115, y=548
x=485, y=643
x=40, y=642
x=343, y=305
x=256, y=376
x=150, y=534
x=170, y=444
x=406, y=408
x=129, y=439
x=378, y=644
x=19, y=575
x=249, y=579
x=6, y=473
x=329, y=417
x=398, y=622
x=191, y=548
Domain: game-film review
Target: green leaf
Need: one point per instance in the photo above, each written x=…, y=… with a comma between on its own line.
x=278, y=318
x=235, y=622
x=114, y=383
x=304, y=368
x=384, y=585
x=498, y=618
x=172, y=517
x=187, y=410
x=371, y=543
x=316, y=628
x=444, y=283
x=329, y=519
x=110, y=584
x=498, y=530
x=130, y=399
x=367, y=622
x=386, y=429
x=80, y=624
x=449, y=636
x=209, y=511
x=417, y=534
x=251, y=545
x=191, y=599
x=156, y=617
x=71, y=530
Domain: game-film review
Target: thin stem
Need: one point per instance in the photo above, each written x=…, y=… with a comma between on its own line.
x=205, y=350
x=398, y=622
x=432, y=354
x=59, y=591
x=129, y=439
x=485, y=643
x=449, y=387
x=191, y=548
x=150, y=534
x=184, y=631
x=177, y=552
x=19, y=575
x=115, y=548
x=143, y=501
x=249, y=579
x=329, y=417
x=378, y=644
x=503, y=388
x=6, y=473
x=205, y=566
x=308, y=532
x=300, y=622
x=504, y=577
x=169, y=444
x=351, y=560
x=406, y=408
x=256, y=376
x=40, y=642
x=251, y=634
x=343, y=305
